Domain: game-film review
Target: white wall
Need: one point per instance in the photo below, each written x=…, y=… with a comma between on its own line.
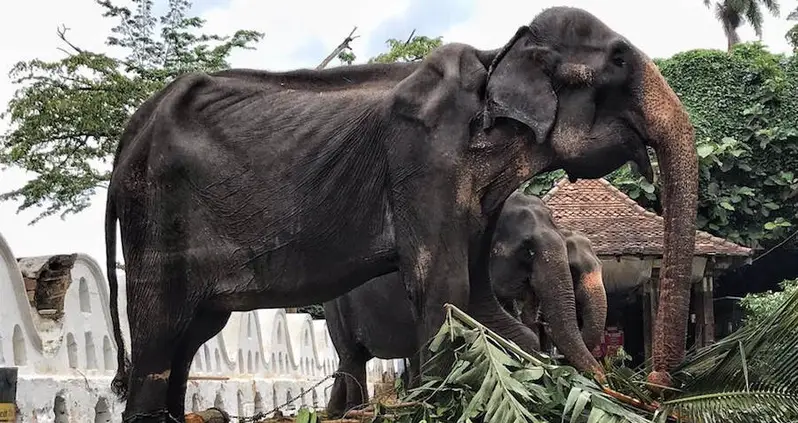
x=65, y=368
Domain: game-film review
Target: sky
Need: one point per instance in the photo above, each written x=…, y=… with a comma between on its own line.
x=300, y=33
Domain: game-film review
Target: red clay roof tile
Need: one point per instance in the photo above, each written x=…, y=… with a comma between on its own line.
x=617, y=225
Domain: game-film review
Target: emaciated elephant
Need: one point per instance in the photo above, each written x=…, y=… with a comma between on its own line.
x=245, y=189
x=531, y=260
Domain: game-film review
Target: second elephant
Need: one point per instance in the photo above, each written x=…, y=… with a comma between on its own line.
x=589, y=290
x=532, y=261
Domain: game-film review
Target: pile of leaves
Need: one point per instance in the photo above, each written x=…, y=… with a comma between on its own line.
x=750, y=376
x=487, y=378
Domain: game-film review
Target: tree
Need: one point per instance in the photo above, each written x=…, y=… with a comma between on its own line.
x=732, y=14
x=413, y=50
x=68, y=115
x=792, y=34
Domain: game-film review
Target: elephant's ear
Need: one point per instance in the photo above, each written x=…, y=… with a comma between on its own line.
x=519, y=85
x=445, y=91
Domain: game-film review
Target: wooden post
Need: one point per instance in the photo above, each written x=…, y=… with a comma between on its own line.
x=647, y=326
x=708, y=302
x=696, y=315
x=8, y=394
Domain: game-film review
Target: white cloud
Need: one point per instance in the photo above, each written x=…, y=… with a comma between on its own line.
x=660, y=28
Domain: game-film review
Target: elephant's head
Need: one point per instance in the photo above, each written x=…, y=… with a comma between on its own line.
x=597, y=101
x=591, y=297
x=530, y=257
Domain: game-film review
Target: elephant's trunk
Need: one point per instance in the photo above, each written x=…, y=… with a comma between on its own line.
x=591, y=300
x=673, y=140
x=558, y=304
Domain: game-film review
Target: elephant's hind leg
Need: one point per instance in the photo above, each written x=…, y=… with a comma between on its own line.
x=204, y=326
x=158, y=324
x=349, y=389
x=337, y=403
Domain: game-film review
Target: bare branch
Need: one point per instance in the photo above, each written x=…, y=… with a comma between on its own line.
x=410, y=38
x=62, y=35
x=341, y=47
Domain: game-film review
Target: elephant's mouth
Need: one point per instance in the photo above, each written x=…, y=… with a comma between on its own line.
x=610, y=148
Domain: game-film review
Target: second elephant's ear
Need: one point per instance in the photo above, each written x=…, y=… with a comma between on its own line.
x=519, y=86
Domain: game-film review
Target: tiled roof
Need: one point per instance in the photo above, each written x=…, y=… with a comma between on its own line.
x=617, y=225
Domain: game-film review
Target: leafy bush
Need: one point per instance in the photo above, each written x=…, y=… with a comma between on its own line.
x=758, y=306
x=744, y=106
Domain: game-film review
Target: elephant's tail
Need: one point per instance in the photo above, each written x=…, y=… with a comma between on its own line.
x=119, y=383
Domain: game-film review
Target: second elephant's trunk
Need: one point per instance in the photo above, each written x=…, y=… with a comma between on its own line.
x=591, y=301
x=558, y=303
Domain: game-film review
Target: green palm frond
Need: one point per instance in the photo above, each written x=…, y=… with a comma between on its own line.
x=491, y=380
x=751, y=375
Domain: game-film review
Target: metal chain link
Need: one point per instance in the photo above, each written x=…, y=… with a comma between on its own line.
x=263, y=415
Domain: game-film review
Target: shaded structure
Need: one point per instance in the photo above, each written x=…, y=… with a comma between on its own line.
x=629, y=241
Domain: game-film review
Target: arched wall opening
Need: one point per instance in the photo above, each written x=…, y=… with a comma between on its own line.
x=60, y=412
x=258, y=403
x=218, y=402
x=18, y=341
x=102, y=412
x=83, y=294
x=195, y=403
x=108, y=354
x=91, y=354
x=72, y=351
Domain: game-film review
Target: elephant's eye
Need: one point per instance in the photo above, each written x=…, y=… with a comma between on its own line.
x=618, y=61
x=531, y=253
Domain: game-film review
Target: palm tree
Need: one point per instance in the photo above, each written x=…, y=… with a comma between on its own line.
x=732, y=14
x=792, y=35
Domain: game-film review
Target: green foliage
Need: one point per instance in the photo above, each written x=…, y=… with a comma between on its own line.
x=748, y=376
x=744, y=106
x=67, y=116
x=488, y=379
x=306, y=415
x=758, y=306
x=412, y=50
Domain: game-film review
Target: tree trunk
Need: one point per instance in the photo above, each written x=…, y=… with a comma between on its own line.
x=731, y=34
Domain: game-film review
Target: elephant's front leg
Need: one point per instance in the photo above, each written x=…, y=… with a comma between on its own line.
x=438, y=275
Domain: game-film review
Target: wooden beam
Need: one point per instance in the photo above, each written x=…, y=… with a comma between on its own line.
x=8, y=394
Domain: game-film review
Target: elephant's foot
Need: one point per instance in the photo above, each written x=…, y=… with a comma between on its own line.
x=657, y=381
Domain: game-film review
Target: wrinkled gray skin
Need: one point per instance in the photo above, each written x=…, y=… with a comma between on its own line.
x=247, y=189
x=589, y=292
x=531, y=260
